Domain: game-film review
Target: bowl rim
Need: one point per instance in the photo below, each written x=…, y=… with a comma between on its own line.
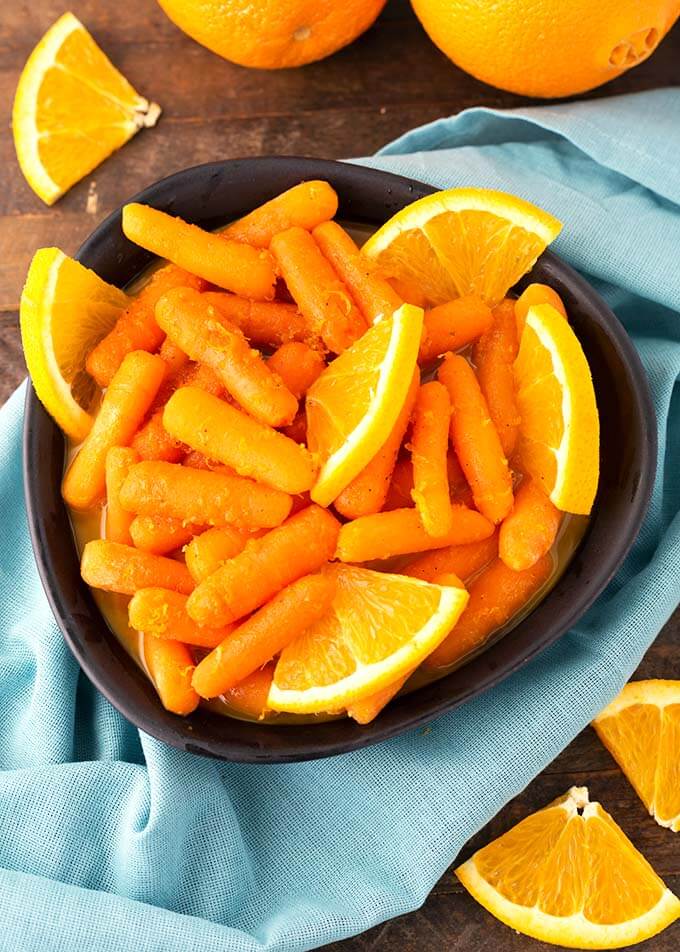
x=179, y=732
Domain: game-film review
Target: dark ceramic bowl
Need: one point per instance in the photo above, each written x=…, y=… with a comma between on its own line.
x=212, y=195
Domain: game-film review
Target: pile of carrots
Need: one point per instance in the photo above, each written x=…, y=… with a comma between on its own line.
x=199, y=450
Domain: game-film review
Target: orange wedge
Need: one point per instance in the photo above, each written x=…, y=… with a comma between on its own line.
x=569, y=875
x=72, y=109
x=559, y=441
x=381, y=626
x=641, y=730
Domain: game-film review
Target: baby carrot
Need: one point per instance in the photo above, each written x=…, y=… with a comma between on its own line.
x=202, y=497
x=297, y=430
x=194, y=324
x=536, y=294
x=495, y=596
x=162, y=613
x=250, y=696
x=372, y=293
x=152, y=441
x=298, y=365
x=408, y=291
x=429, y=445
x=452, y=325
x=136, y=328
x=119, y=459
x=173, y=355
x=303, y=206
x=120, y=568
x=366, y=709
x=476, y=441
x=266, y=565
x=171, y=666
x=530, y=529
x=401, y=486
x=384, y=534
x=207, y=551
x=161, y=534
x=224, y=433
x=493, y=356
x=368, y=490
x=264, y=634
x=462, y=560
x=321, y=296
x=196, y=460
x=123, y=407
x=228, y=264
x=264, y=323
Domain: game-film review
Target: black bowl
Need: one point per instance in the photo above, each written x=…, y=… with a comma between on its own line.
x=219, y=192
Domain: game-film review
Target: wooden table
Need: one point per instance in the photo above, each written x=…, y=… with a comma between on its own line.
x=390, y=80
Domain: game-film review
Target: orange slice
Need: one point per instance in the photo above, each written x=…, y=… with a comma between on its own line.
x=72, y=109
x=641, y=730
x=570, y=876
x=353, y=405
x=559, y=442
x=463, y=241
x=381, y=626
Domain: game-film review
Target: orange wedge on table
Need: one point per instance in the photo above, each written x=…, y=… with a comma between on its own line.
x=72, y=109
x=559, y=442
x=569, y=875
x=381, y=626
x=641, y=730
x=463, y=241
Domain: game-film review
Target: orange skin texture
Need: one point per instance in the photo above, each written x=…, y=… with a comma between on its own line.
x=429, y=445
x=250, y=695
x=368, y=490
x=536, y=294
x=120, y=568
x=530, y=529
x=160, y=534
x=264, y=323
x=495, y=596
x=264, y=634
x=207, y=551
x=171, y=666
x=493, y=356
x=303, y=206
x=461, y=560
x=452, y=325
x=298, y=365
x=119, y=459
x=550, y=47
x=322, y=298
x=276, y=33
x=300, y=546
x=476, y=441
x=162, y=613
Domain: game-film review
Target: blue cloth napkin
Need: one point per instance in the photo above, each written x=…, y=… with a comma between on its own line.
x=110, y=840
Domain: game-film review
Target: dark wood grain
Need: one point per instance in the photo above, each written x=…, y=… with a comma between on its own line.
x=391, y=79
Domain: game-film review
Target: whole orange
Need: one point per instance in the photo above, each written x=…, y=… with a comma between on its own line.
x=547, y=47
x=270, y=34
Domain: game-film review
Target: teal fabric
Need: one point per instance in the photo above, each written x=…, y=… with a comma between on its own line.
x=111, y=841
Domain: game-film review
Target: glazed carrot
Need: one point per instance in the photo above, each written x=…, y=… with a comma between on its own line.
x=266, y=565
x=250, y=696
x=408, y=291
x=228, y=264
x=530, y=529
x=373, y=295
x=462, y=560
x=297, y=430
x=429, y=445
x=162, y=613
x=536, y=294
x=136, y=328
x=119, y=459
x=161, y=534
x=399, y=494
x=207, y=551
x=173, y=355
x=304, y=206
x=400, y=531
x=194, y=324
x=368, y=490
x=452, y=325
x=120, y=568
x=476, y=441
x=366, y=709
x=493, y=356
x=323, y=299
x=264, y=634
x=264, y=323
x=495, y=596
x=170, y=667
x=298, y=365
x=153, y=488
x=196, y=460
x=152, y=441
x=123, y=407
x=224, y=433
